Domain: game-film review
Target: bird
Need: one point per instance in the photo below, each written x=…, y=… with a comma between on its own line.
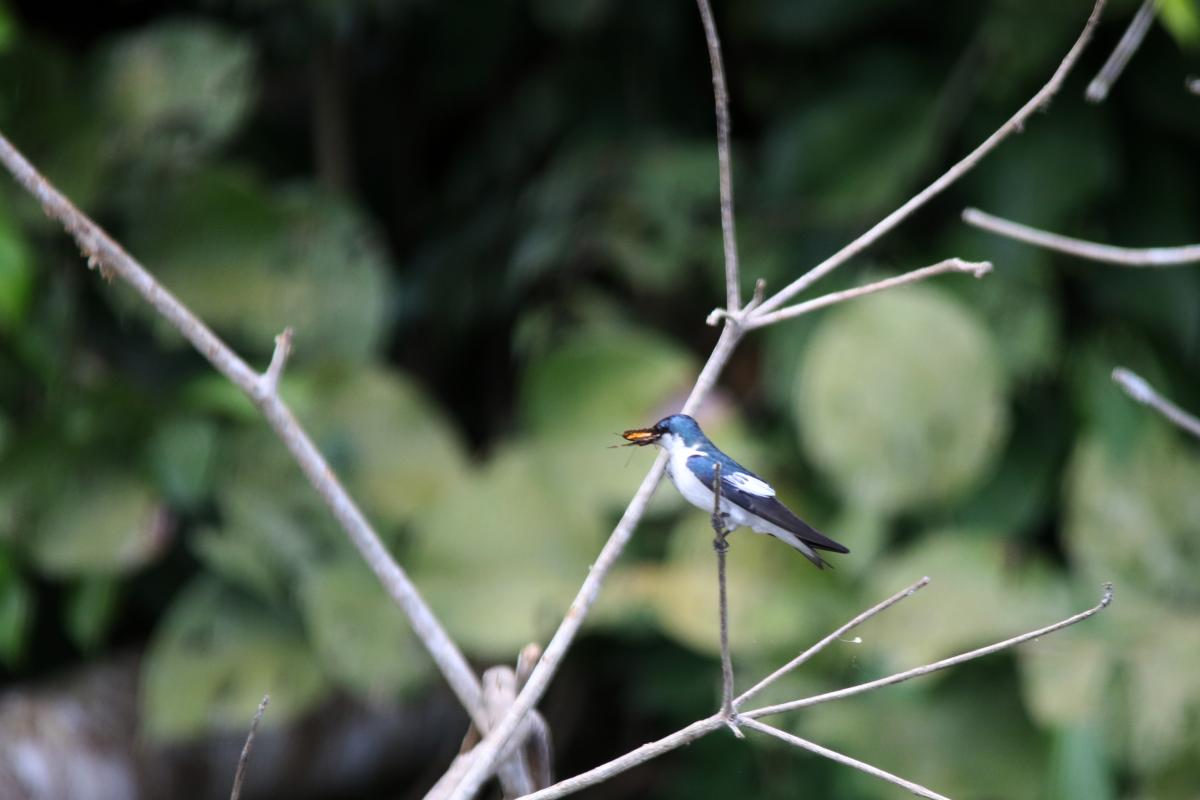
x=746, y=499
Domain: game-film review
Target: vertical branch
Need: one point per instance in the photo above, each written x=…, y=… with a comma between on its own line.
x=721, y=546
x=733, y=297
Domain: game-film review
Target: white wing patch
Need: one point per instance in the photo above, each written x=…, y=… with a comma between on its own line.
x=750, y=484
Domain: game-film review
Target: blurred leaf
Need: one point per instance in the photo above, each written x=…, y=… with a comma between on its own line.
x=965, y=737
x=1132, y=517
x=576, y=398
x=361, y=638
x=900, y=399
x=1066, y=677
x=973, y=599
x=16, y=267
x=91, y=604
x=1165, y=690
x=264, y=261
x=214, y=656
x=1182, y=19
x=181, y=455
x=106, y=523
x=386, y=440
x=831, y=152
x=176, y=88
x=570, y=18
x=506, y=537
x=1080, y=766
x=16, y=612
x=8, y=27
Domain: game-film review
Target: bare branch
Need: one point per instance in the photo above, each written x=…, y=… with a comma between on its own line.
x=733, y=297
x=1097, y=90
x=244, y=759
x=917, y=672
x=99, y=249
x=833, y=755
x=978, y=269
x=1106, y=253
x=821, y=645
x=1136, y=387
x=1013, y=125
x=721, y=547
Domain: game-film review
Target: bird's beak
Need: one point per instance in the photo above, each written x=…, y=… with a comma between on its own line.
x=641, y=436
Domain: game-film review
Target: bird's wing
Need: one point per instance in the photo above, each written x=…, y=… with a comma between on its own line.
x=743, y=487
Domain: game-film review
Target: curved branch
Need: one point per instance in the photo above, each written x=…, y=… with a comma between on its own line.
x=101, y=251
x=1013, y=125
x=1105, y=253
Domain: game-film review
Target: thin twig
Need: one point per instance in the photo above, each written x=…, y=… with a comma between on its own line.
x=834, y=755
x=1013, y=125
x=1097, y=90
x=724, y=160
x=917, y=672
x=283, y=349
x=978, y=269
x=1106, y=253
x=1136, y=387
x=821, y=645
x=100, y=250
x=721, y=547
x=244, y=759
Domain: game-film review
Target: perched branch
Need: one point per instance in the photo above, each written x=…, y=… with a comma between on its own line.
x=1106, y=253
x=1136, y=387
x=721, y=547
x=102, y=251
x=724, y=160
x=978, y=269
x=1013, y=125
x=1097, y=90
x=821, y=645
x=707, y=725
x=917, y=672
x=244, y=759
x=833, y=755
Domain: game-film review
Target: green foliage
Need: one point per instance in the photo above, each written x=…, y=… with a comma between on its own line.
x=900, y=400
x=1182, y=19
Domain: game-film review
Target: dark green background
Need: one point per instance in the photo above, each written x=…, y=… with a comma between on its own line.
x=494, y=228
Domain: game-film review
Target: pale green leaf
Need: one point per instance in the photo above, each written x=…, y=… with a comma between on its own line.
x=214, y=656
x=900, y=399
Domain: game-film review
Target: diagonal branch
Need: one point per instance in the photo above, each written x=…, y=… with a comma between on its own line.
x=917, y=672
x=834, y=755
x=884, y=226
x=1136, y=387
x=1131, y=40
x=1105, y=253
x=821, y=645
x=978, y=269
x=102, y=251
x=733, y=297
x=240, y=774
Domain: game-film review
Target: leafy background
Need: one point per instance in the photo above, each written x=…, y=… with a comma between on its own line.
x=494, y=229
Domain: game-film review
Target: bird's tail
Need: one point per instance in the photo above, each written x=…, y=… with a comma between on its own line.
x=805, y=550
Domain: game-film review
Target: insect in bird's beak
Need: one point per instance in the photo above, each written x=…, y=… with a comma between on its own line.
x=641, y=436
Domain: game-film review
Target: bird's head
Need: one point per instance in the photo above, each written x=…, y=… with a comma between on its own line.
x=677, y=428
